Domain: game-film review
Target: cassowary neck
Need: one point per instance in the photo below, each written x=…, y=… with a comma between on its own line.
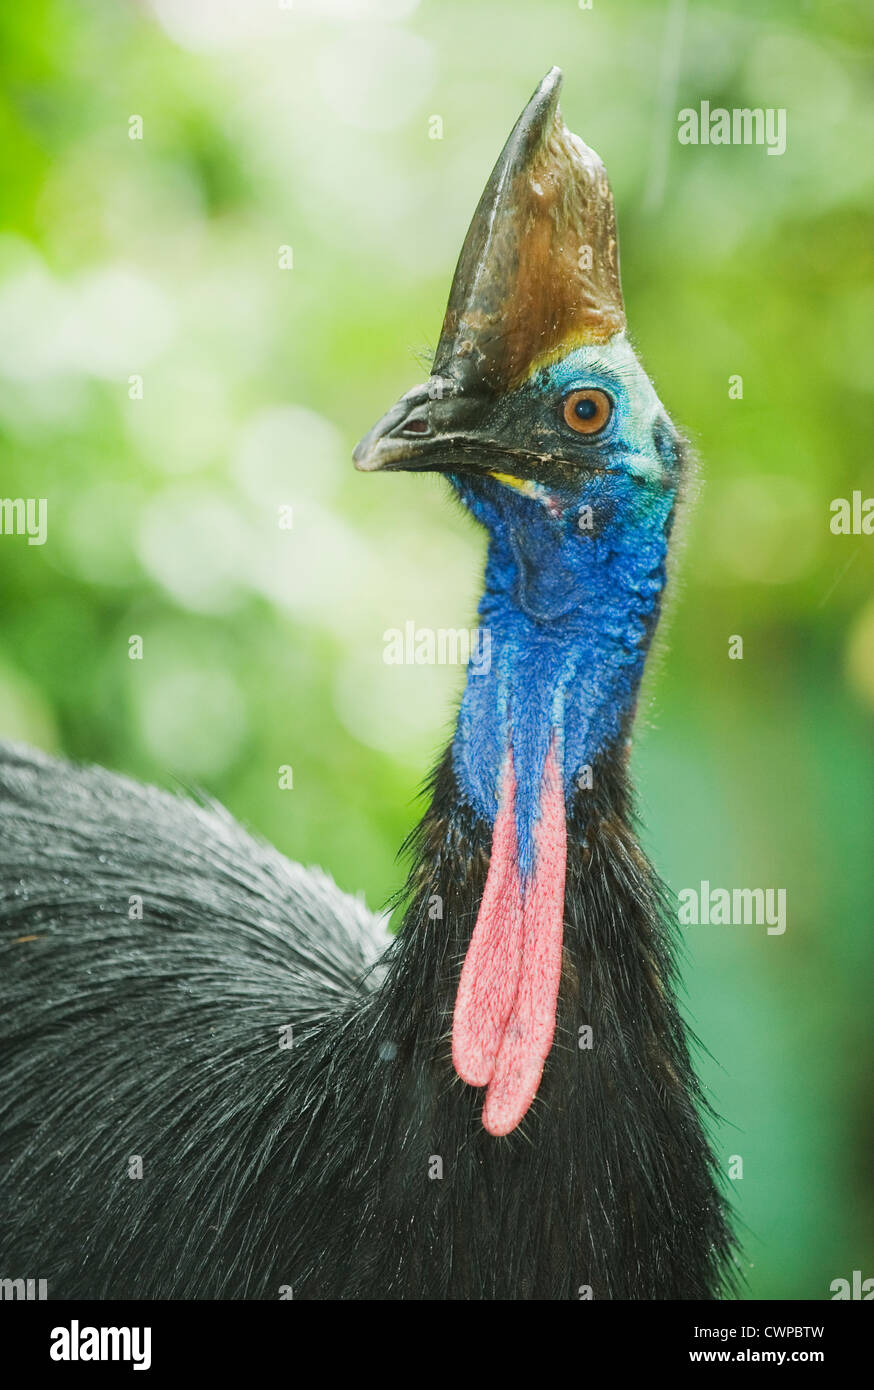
x=607, y=1182
x=569, y=616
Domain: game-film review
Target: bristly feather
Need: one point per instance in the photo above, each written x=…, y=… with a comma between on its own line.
x=312, y=1168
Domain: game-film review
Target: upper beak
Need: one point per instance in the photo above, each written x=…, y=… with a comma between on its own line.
x=433, y=428
x=391, y=441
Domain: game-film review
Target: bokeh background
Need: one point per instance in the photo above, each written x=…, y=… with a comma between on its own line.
x=309, y=126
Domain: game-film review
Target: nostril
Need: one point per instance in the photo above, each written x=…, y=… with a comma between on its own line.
x=416, y=427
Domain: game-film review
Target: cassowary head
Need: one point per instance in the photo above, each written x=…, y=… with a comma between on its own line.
x=537, y=408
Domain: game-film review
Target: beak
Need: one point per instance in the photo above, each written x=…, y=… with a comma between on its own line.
x=538, y=275
x=435, y=428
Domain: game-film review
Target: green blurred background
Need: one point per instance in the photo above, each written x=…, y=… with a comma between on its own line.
x=309, y=126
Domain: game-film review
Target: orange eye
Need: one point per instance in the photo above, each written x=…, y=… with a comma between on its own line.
x=587, y=411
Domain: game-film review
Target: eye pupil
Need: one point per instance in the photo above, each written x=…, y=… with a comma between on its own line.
x=585, y=409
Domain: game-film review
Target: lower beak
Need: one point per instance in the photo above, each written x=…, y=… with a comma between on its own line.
x=380, y=450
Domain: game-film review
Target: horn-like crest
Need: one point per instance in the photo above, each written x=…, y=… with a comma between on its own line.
x=539, y=270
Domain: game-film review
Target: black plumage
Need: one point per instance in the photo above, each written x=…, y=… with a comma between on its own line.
x=309, y=1168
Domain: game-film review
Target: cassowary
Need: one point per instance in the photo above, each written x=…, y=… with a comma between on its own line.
x=244, y=1093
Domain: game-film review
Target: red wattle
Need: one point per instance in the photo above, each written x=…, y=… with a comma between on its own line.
x=505, y=1008
x=490, y=975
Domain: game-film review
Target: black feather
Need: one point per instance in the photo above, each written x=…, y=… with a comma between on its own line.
x=313, y=1168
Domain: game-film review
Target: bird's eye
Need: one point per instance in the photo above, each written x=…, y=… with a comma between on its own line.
x=587, y=411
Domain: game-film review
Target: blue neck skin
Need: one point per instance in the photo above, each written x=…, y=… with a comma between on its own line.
x=570, y=610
